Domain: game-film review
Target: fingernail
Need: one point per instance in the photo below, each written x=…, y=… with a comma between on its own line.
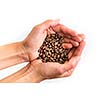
x=80, y=39
x=76, y=44
x=82, y=36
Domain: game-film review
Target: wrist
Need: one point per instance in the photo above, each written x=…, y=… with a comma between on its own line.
x=29, y=50
x=35, y=75
x=29, y=75
x=24, y=53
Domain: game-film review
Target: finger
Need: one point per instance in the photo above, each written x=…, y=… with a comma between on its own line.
x=67, y=73
x=67, y=45
x=71, y=41
x=50, y=31
x=79, y=50
x=71, y=63
x=76, y=56
x=74, y=61
x=70, y=54
x=82, y=36
x=78, y=38
x=64, y=29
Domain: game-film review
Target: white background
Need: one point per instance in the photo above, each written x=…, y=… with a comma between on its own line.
x=17, y=17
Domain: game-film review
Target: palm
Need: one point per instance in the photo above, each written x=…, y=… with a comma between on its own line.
x=35, y=41
x=47, y=70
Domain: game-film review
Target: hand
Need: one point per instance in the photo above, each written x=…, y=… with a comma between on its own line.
x=36, y=37
x=55, y=70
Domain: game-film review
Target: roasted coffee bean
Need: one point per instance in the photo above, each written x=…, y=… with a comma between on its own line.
x=52, y=50
x=56, y=43
x=58, y=56
x=44, y=56
x=56, y=51
x=62, y=55
x=50, y=53
x=55, y=57
x=59, y=45
x=61, y=50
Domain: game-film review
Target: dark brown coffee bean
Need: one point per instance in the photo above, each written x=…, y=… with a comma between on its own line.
x=50, y=53
x=62, y=55
x=59, y=45
x=56, y=51
x=56, y=43
x=58, y=55
x=61, y=50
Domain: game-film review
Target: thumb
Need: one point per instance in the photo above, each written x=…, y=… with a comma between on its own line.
x=71, y=63
x=74, y=61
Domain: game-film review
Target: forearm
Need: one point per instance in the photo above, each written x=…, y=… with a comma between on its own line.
x=12, y=54
x=25, y=75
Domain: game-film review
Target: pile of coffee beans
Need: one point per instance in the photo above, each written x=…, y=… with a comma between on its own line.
x=52, y=50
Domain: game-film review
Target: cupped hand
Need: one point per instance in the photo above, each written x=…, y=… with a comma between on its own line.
x=55, y=70
x=36, y=37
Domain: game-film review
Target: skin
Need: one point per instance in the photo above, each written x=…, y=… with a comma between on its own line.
x=37, y=71
x=27, y=51
x=12, y=54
